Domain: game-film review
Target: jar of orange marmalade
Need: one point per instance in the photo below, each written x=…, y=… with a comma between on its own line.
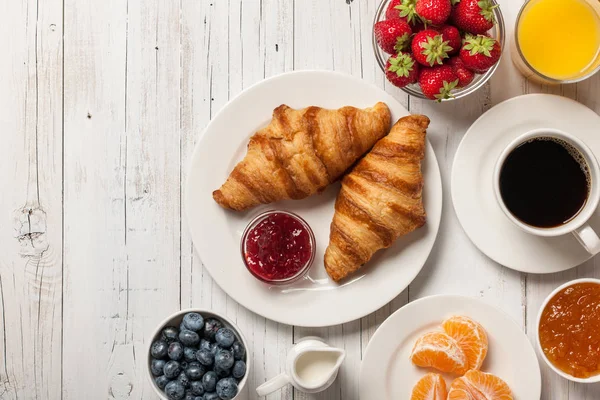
x=569, y=330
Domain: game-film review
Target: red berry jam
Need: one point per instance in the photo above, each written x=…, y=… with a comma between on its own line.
x=278, y=247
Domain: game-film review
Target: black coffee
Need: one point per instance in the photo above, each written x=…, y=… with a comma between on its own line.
x=544, y=182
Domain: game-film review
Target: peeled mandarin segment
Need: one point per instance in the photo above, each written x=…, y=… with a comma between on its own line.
x=430, y=387
x=471, y=338
x=439, y=351
x=477, y=385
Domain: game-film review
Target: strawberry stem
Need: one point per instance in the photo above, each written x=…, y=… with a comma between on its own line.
x=435, y=50
x=402, y=65
x=480, y=44
x=408, y=11
x=445, y=90
x=487, y=10
x=402, y=42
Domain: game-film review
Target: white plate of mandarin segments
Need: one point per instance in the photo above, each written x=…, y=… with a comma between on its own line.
x=316, y=300
x=387, y=372
x=472, y=183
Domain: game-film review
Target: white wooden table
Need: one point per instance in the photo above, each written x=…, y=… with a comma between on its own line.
x=101, y=105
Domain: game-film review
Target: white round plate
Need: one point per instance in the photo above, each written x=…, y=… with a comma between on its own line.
x=315, y=301
x=472, y=186
x=387, y=373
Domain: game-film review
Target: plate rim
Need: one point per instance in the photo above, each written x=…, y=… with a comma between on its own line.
x=453, y=195
x=420, y=300
x=197, y=148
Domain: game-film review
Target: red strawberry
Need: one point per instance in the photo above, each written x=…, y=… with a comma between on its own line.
x=451, y=35
x=480, y=53
x=465, y=76
x=402, y=69
x=474, y=16
x=434, y=12
x=392, y=35
x=403, y=9
x=429, y=48
x=392, y=12
x=437, y=82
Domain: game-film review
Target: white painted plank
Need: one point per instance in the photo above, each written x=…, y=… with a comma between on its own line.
x=95, y=264
x=31, y=200
x=121, y=190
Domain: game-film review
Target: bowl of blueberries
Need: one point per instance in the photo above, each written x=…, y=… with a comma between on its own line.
x=197, y=355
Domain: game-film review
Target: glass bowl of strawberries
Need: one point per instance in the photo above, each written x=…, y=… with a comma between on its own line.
x=438, y=49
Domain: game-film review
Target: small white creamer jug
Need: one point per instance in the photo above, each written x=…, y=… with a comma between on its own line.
x=311, y=367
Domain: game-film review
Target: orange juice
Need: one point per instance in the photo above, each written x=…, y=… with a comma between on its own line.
x=560, y=39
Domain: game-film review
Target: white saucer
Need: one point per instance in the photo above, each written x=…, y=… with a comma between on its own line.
x=472, y=189
x=317, y=300
x=387, y=372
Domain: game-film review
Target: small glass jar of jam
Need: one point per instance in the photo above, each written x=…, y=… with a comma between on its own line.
x=569, y=330
x=278, y=247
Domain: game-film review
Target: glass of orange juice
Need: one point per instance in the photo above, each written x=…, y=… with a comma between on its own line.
x=557, y=41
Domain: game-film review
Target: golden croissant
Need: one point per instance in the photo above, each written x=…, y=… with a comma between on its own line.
x=380, y=199
x=300, y=152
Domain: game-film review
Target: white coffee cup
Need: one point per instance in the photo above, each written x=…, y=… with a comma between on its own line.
x=578, y=225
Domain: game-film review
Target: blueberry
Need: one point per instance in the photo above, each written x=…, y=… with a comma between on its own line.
x=195, y=371
x=156, y=367
x=227, y=388
x=175, y=351
x=239, y=351
x=189, y=354
x=189, y=338
x=182, y=327
x=224, y=359
x=174, y=390
x=169, y=334
x=172, y=369
x=209, y=381
x=159, y=349
x=196, y=388
x=225, y=337
x=223, y=372
x=239, y=369
x=193, y=321
x=189, y=396
x=184, y=380
x=161, y=381
x=205, y=344
x=205, y=357
x=183, y=364
x=211, y=326
x=211, y=396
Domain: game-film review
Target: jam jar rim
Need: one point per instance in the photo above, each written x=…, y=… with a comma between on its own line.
x=261, y=217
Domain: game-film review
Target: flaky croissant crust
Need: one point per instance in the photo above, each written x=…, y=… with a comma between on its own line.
x=300, y=152
x=380, y=199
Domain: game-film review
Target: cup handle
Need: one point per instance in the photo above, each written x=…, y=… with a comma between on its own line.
x=273, y=384
x=588, y=238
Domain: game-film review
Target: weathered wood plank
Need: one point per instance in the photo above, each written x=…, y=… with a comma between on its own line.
x=122, y=219
x=31, y=200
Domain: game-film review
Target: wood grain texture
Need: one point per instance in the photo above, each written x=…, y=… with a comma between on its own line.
x=31, y=200
x=94, y=242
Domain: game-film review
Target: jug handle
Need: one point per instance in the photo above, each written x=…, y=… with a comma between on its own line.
x=273, y=384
